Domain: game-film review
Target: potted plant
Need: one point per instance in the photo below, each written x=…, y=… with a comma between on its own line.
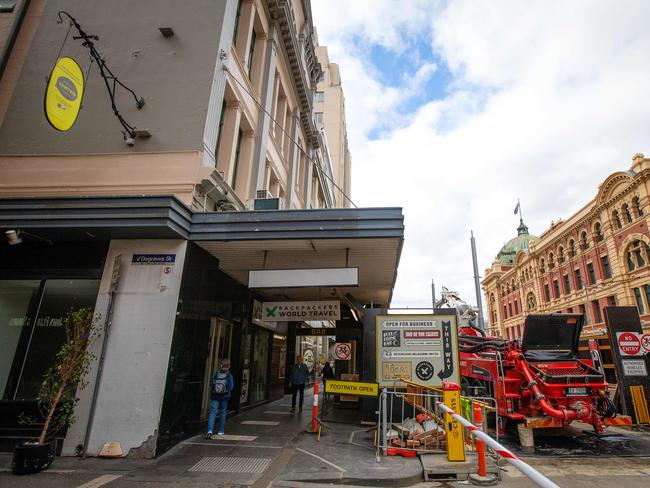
x=57, y=396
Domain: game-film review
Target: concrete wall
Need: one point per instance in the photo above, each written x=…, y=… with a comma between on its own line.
x=133, y=381
x=174, y=75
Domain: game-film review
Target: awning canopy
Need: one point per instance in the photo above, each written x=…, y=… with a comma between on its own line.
x=369, y=239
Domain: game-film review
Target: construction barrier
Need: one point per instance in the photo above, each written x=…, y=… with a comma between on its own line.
x=535, y=476
x=640, y=404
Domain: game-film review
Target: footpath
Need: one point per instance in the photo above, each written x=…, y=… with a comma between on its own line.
x=268, y=447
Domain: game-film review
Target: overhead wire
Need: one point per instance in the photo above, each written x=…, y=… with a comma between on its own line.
x=323, y=172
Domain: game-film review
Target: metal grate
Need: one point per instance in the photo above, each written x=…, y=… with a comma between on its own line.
x=260, y=422
x=248, y=465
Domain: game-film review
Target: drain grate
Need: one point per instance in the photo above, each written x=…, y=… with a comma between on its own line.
x=248, y=465
x=260, y=422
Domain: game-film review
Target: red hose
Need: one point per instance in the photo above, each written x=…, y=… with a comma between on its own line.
x=567, y=416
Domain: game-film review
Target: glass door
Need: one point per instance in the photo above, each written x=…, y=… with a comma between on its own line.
x=219, y=348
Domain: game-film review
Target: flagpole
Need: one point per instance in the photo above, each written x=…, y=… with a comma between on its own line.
x=521, y=215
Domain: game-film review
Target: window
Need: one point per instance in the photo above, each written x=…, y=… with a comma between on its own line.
x=542, y=265
x=637, y=206
x=646, y=289
x=530, y=301
x=322, y=76
x=639, y=301
x=583, y=311
x=611, y=300
x=237, y=16
x=636, y=255
x=567, y=285
x=617, y=219
x=572, y=248
x=607, y=270
x=627, y=213
x=551, y=261
x=598, y=231
x=596, y=310
x=505, y=311
x=251, y=52
x=318, y=117
x=236, y=163
x=319, y=96
x=510, y=309
x=547, y=292
x=560, y=254
x=592, y=274
x=569, y=310
x=585, y=240
x=516, y=307
x=578, y=278
x=221, y=119
x=556, y=289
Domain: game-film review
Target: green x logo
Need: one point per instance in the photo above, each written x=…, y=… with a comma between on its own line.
x=270, y=312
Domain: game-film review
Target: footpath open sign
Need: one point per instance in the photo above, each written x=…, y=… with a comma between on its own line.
x=339, y=387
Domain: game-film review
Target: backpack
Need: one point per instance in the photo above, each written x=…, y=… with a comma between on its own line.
x=220, y=387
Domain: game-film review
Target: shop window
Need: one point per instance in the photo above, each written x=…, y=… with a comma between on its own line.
x=15, y=299
x=639, y=301
x=591, y=273
x=556, y=289
x=607, y=269
x=627, y=213
x=578, y=278
x=584, y=240
x=259, y=376
x=48, y=333
x=617, y=219
x=572, y=248
x=596, y=310
x=567, y=285
x=637, y=206
x=598, y=232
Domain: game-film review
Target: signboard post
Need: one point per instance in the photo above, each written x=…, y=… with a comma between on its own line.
x=630, y=354
x=420, y=348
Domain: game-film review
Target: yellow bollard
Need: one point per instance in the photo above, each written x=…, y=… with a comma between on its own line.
x=455, y=439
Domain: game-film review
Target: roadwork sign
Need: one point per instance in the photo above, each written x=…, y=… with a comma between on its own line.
x=416, y=346
x=351, y=388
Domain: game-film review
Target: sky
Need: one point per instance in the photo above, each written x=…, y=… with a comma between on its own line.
x=456, y=109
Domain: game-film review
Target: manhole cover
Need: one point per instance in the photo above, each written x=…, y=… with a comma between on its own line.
x=232, y=465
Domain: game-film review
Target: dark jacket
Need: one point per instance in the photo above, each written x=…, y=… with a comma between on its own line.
x=230, y=386
x=299, y=374
x=327, y=372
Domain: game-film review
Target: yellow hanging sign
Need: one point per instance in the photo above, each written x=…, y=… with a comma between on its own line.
x=64, y=94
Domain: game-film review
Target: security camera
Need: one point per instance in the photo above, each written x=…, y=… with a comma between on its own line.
x=13, y=237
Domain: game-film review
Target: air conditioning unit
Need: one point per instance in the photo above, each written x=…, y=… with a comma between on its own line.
x=268, y=203
x=262, y=194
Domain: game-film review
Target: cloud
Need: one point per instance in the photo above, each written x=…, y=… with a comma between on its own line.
x=544, y=101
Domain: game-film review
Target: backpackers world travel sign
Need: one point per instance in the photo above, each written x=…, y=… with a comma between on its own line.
x=298, y=311
x=64, y=93
x=418, y=348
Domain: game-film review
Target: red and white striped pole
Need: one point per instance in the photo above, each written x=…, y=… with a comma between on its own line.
x=535, y=476
x=314, y=410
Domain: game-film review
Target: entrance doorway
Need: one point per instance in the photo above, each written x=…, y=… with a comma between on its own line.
x=219, y=346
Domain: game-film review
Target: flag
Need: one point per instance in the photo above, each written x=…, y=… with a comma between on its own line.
x=517, y=208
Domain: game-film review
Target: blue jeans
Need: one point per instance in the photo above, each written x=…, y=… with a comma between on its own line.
x=222, y=406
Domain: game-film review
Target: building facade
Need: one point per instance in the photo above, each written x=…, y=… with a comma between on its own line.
x=598, y=257
x=217, y=180
x=329, y=114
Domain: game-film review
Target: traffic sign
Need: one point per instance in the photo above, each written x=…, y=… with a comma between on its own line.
x=629, y=344
x=645, y=342
x=343, y=351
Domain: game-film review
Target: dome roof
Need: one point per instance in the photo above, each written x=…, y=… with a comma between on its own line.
x=513, y=246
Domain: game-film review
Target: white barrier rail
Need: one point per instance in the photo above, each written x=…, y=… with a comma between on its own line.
x=535, y=476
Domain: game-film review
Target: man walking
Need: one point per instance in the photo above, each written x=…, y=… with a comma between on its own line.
x=299, y=375
x=222, y=386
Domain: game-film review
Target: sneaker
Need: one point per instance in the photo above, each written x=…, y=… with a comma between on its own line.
x=208, y=435
x=220, y=433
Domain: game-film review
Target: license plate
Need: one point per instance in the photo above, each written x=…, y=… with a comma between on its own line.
x=576, y=391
